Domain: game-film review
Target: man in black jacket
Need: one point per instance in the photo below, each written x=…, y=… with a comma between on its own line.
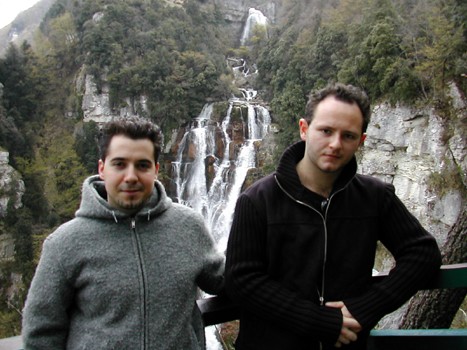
x=303, y=240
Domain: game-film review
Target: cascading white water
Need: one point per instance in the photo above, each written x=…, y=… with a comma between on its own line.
x=248, y=94
x=190, y=176
x=217, y=201
x=255, y=17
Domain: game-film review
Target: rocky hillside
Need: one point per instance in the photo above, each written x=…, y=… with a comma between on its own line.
x=24, y=25
x=423, y=157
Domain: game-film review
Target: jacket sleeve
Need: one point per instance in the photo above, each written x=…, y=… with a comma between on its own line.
x=417, y=258
x=45, y=318
x=248, y=283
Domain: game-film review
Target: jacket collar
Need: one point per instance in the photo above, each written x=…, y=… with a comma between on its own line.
x=94, y=203
x=287, y=175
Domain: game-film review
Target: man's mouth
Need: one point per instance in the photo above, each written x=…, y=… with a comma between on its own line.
x=333, y=156
x=131, y=190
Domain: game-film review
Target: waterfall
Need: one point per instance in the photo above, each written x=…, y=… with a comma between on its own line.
x=211, y=163
x=248, y=94
x=255, y=17
x=216, y=200
x=214, y=192
x=190, y=176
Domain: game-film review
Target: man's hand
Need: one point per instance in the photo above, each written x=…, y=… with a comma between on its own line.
x=350, y=326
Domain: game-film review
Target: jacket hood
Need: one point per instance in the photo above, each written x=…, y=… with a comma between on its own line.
x=94, y=202
x=287, y=175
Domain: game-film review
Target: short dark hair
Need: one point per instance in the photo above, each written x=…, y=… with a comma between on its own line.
x=342, y=92
x=134, y=128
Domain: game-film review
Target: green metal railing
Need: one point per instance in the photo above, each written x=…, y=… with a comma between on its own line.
x=219, y=309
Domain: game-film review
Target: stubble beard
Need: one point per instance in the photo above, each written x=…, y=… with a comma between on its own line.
x=131, y=205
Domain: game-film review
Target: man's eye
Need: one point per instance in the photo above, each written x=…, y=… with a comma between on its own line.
x=144, y=165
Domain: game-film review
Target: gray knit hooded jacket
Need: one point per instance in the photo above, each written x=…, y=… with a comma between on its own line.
x=106, y=280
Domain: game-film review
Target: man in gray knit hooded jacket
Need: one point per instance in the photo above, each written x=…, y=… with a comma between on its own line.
x=125, y=272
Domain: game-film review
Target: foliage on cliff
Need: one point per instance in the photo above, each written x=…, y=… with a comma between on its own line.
x=173, y=56
x=401, y=51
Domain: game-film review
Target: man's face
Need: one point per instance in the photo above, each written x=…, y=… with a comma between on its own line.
x=333, y=136
x=129, y=171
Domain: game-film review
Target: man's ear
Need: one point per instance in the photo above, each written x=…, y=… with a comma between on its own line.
x=157, y=170
x=303, y=128
x=362, y=139
x=100, y=168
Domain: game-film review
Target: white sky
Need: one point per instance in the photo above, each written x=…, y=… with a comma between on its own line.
x=9, y=9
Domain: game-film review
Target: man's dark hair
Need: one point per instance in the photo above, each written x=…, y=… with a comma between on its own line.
x=344, y=93
x=134, y=128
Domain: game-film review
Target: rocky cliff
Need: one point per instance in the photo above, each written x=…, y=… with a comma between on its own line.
x=411, y=148
x=11, y=192
x=424, y=156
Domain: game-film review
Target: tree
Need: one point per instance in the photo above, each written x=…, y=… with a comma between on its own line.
x=24, y=87
x=374, y=47
x=85, y=145
x=439, y=48
x=20, y=96
x=437, y=308
x=34, y=178
x=64, y=40
x=324, y=56
x=290, y=106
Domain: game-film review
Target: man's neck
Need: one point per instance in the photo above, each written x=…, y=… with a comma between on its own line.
x=316, y=180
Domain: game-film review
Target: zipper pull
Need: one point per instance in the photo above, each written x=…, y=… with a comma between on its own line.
x=133, y=223
x=324, y=205
x=321, y=301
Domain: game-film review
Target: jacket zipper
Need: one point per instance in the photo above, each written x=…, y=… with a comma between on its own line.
x=328, y=200
x=145, y=333
x=320, y=292
x=324, y=218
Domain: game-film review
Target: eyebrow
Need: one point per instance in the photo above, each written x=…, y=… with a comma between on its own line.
x=117, y=159
x=324, y=125
x=120, y=159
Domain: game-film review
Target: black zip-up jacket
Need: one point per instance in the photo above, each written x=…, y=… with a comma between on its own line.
x=291, y=250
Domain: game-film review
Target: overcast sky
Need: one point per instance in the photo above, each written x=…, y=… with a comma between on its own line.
x=9, y=9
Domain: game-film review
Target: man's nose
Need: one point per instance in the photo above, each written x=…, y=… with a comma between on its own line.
x=131, y=175
x=336, y=141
